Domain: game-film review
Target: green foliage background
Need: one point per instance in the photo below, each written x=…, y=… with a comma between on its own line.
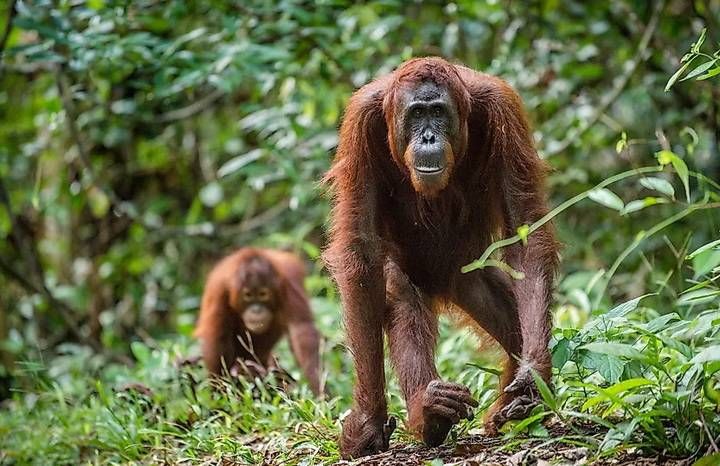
x=142, y=140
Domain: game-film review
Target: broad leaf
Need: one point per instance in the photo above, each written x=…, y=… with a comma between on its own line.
x=614, y=349
x=704, y=248
x=609, y=367
x=710, y=460
x=561, y=353
x=705, y=262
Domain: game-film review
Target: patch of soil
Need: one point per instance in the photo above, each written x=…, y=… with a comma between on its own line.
x=483, y=450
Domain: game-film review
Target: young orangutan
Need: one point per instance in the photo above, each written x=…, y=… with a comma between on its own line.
x=252, y=298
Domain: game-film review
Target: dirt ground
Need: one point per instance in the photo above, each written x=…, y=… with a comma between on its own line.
x=480, y=450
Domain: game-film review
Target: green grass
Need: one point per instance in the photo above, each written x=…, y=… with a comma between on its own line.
x=641, y=375
x=76, y=408
x=649, y=379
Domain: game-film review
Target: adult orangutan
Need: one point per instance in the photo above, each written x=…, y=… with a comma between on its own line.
x=251, y=299
x=435, y=161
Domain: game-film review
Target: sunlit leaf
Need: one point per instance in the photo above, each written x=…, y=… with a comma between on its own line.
x=659, y=185
x=639, y=204
x=712, y=244
x=99, y=201
x=676, y=75
x=523, y=231
x=700, y=69
x=709, y=460
x=607, y=198
x=668, y=157
x=626, y=307
x=711, y=353
x=705, y=262
x=710, y=74
x=700, y=296
x=608, y=366
x=614, y=349
x=211, y=194
x=236, y=163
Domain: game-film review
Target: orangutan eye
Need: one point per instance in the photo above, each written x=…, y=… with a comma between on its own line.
x=263, y=294
x=437, y=111
x=246, y=294
x=417, y=112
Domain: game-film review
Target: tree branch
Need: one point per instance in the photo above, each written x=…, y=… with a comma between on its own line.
x=190, y=110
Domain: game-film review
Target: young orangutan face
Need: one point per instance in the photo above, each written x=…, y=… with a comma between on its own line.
x=257, y=295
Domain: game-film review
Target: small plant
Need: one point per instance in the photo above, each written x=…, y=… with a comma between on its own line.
x=709, y=67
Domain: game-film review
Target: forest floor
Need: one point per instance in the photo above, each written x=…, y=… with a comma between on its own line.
x=562, y=447
x=482, y=450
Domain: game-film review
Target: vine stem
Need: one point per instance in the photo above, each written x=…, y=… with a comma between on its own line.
x=482, y=261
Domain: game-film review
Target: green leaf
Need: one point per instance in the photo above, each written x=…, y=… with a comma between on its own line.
x=698, y=43
x=711, y=353
x=545, y=392
x=700, y=69
x=639, y=204
x=677, y=74
x=611, y=393
x=682, y=171
x=561, y=353
x=529, y=421
x=622, y=143
x=236, y=163
x=607, y=198
x=5, y=223
x=659, y=323
x=665, y=157
x=140, y=351
x=608, y=366
x=628, y=306
x=710, y=460
x=713, y=72
x=614, y=349
x=626, y=385
x=522, y=232
x=703, y=248
x=659, y=185
x=700, y=296
x=99, y=202
x=705, y=262
x=211, y=194
x=489, y=370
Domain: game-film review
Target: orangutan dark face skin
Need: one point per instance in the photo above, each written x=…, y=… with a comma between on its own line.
x=257, y=313
x=428, y=130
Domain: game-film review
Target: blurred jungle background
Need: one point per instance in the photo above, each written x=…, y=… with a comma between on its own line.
x=141, y=140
